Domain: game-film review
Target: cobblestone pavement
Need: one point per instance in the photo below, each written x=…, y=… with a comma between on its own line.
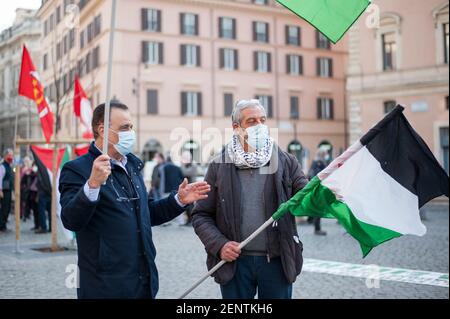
x=181, y=261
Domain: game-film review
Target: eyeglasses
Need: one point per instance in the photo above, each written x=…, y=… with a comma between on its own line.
x=122, y=198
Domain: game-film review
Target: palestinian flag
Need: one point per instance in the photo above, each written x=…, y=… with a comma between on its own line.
x=331, y=17
x=375, y=189
x=43, y=158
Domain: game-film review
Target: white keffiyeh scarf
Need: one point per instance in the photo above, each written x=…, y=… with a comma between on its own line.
x=243, y=159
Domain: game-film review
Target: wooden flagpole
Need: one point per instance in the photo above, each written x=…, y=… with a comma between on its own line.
x=17, y=199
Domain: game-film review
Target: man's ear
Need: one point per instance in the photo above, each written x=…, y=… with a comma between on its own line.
x=101, y=130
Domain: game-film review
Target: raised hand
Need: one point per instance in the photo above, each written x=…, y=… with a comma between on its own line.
x=189, y=193
x=100, y=171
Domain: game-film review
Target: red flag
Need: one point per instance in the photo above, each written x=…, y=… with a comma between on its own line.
x=81, y=150
x=82, y=109
x=31, y=87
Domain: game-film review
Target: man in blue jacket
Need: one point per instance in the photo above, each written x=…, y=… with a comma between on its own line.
x=104, y=200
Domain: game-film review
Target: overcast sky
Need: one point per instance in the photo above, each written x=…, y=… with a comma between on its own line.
x=8, y=10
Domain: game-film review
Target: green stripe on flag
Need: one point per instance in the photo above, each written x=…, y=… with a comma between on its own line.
x=331, y=17
x=65, y=158
x=317, y=200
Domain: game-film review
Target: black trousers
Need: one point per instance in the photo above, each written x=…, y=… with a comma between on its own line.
x=5, y=208
x=316, y=221
x=31, y=204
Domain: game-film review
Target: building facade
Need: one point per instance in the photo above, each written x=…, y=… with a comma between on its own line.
x=404, y=61
x=181, y=65
x=25, y=30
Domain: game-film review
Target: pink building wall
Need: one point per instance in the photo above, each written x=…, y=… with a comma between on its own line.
x=171, y=78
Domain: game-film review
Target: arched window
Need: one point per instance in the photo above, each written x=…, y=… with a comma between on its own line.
x=194, y=148
x=326, y=145
x=295, y=148
x=150, y=149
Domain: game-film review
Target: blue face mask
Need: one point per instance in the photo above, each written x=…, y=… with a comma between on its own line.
x=127, y=140
x=257, y=136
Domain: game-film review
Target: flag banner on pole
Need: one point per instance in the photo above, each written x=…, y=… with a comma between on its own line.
x=376, y=187
x=331, y=17
x=30, y=86
x=44, y=161
x=81, y=150
x=82, y=109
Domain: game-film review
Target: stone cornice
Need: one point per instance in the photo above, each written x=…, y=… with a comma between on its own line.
x=430, y=77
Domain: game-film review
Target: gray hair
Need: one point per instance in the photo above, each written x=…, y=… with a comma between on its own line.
x=242, y=105
x=7, y=151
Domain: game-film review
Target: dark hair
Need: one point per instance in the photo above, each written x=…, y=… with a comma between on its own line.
x=99, y=114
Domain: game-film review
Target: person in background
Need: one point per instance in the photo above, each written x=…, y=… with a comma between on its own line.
x=155, y=191
x=170, y=177
x=44, y=203
x=29, y=185
x=6, y=187
x=318, y=164
x=25, y=171
x=190, y=171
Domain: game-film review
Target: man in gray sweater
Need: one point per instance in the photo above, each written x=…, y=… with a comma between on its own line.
x=249, y=180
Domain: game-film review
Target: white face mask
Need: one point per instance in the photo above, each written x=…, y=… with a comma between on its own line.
x=257, y=136
x=126, y=143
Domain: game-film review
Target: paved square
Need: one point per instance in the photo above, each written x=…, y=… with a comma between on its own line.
x=333, y=265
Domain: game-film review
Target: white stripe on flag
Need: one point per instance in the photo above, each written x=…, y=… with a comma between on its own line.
x=374, y=197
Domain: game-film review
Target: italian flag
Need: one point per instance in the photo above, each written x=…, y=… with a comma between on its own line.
x=375, y=188
x=43, y=158
x=331, y=17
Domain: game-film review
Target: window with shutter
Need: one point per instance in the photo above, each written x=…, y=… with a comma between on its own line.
x=325, y=108
x=227, y=28
x=260, y=31
x=228, y=59
x=228, y=104
x=293, y=35
x=152, y=102
x=189, y=24
x=294, y=114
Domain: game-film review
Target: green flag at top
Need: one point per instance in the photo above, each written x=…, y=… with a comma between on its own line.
x=331, y=17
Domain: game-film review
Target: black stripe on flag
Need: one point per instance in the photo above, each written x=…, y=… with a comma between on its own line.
x=405, y=156
x=43, y=176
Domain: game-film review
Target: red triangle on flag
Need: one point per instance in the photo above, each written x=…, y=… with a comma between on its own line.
x=46, y=156
x=81, y=150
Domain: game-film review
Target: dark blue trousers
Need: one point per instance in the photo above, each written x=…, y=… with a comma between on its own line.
x=256, y=274
x=45, y=205
x=5, y=208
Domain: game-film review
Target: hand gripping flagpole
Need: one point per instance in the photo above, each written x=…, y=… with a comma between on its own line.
x=223, y=262
x=108, y=79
